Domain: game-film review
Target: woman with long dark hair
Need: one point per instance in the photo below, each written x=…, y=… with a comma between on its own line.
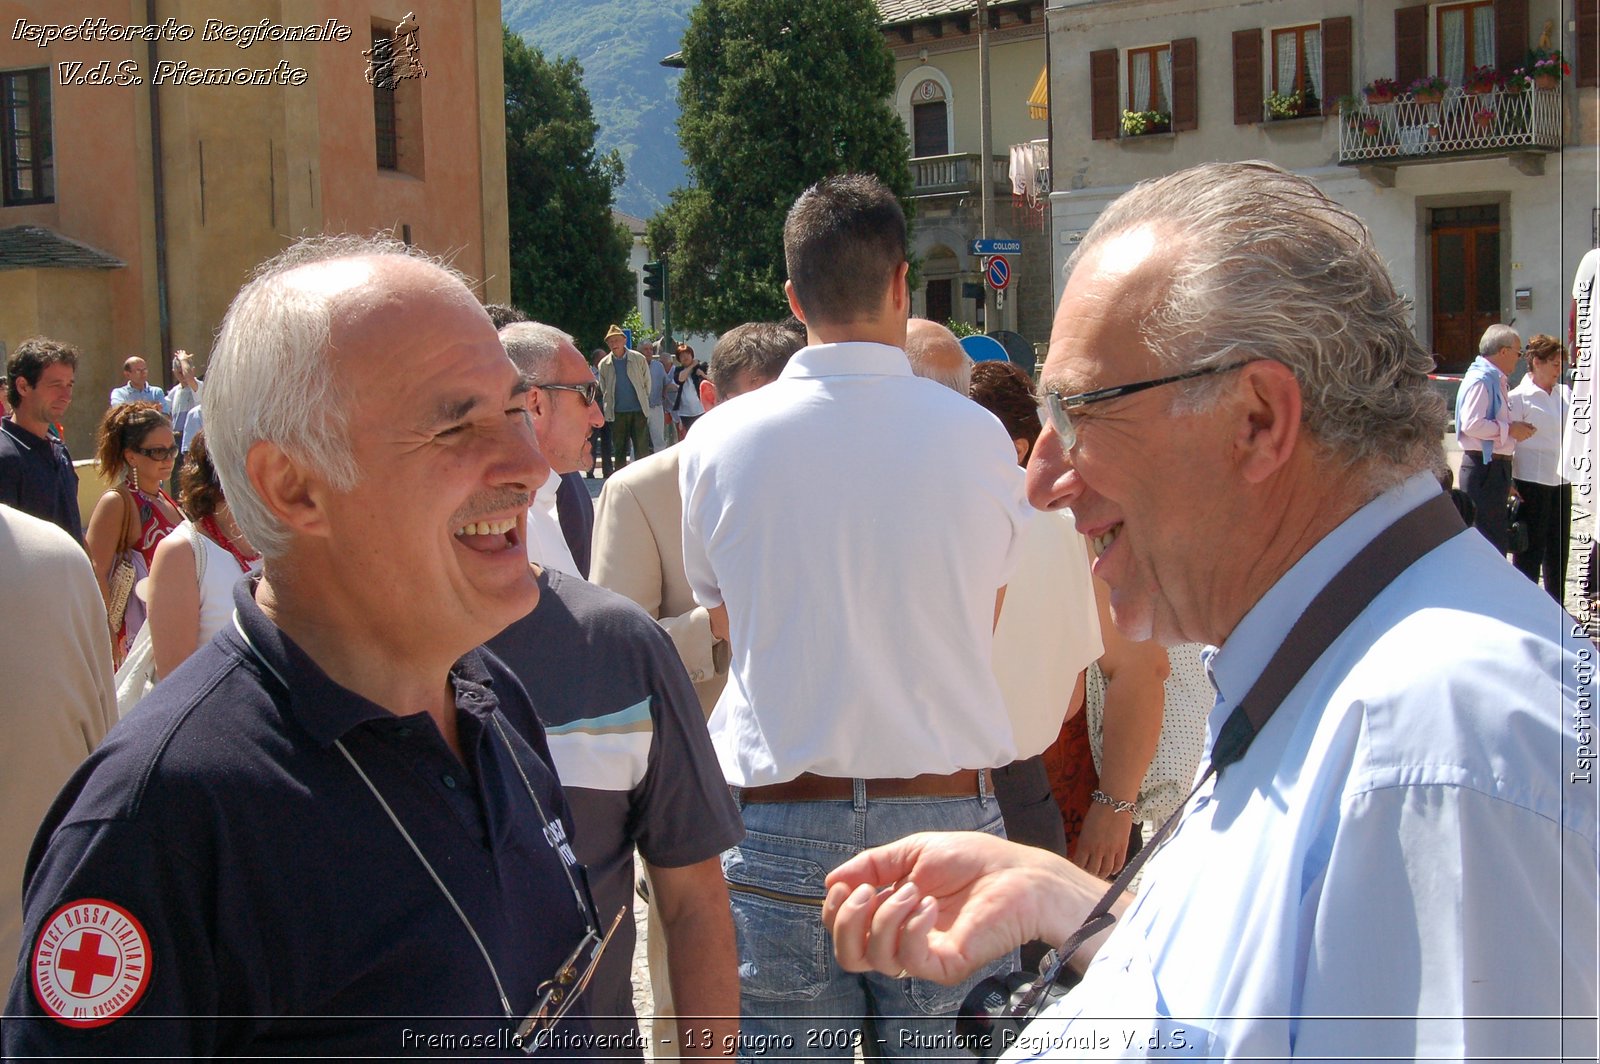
x=134, y=451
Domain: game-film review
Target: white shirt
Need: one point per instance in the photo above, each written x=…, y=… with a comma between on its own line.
x=546, y=545
x=1410, y=836
x=1049, y=630
x=857, y=521
x=1538, y=458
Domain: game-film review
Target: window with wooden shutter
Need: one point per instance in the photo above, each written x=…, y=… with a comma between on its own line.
x=1337, y=67
x=1150, y=79
x=1185, y=85
x=1297, y=61
x=1105, y=110
x=1587, y=67
x=1410, y=44
x=1465, y=39
x=1248, y=86
x=1511, y=31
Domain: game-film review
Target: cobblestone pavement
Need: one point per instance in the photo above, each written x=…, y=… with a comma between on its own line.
x=643, y=1000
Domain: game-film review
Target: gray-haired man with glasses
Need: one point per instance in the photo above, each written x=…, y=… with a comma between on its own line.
x=1392, y=851
x=1487, y=432
x=563, y=399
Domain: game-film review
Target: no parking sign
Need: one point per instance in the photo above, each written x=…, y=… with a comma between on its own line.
x=998, y=272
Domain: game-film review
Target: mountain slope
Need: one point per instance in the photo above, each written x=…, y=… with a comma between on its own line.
x=620, y=44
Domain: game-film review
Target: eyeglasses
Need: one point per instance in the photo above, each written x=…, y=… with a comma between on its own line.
x=158, y=454
x=558, y=993
x=1055, y=408
x=589, y=389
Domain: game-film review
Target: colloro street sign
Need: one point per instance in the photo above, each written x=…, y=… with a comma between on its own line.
x=997, y=247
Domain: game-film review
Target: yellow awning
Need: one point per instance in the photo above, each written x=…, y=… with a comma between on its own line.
x=1039, y=98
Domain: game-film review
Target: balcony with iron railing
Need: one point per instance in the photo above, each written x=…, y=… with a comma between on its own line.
x=957, y=175
x=1459, y=124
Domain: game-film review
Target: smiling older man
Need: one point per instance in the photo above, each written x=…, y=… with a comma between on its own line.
x=334, y=830
x=1397, y=858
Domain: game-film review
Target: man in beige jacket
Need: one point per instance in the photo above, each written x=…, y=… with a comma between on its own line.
x=638, y=521
x=626, y=396
x=57, y=701
x=638, y=553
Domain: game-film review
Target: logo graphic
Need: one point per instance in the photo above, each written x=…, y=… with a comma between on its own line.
x=91, y=964
x=398, y=58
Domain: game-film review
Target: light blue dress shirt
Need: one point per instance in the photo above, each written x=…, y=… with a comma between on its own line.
x=150, y=393
x=1404, y=862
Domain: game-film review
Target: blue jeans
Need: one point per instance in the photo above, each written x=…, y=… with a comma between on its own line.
x=795, y=1000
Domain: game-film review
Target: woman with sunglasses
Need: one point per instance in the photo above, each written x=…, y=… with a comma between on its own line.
x=135, y=451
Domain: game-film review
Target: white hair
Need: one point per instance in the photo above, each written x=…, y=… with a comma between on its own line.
x=1264, y=266
x=935, y=353
x=1497, y=336
x=533, y=347
x=271, y=379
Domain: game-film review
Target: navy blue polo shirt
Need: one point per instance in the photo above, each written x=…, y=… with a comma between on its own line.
x=629, y=740
x=217, y=879
x=36, y=477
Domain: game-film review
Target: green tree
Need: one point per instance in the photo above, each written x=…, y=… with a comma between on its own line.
x=776, y=95
x=569, y=257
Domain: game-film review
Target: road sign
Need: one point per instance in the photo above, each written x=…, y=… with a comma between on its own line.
x=997, y=247
x=998, y=272
x=983, y=349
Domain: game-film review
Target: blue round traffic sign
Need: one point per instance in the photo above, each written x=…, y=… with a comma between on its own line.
x=999, y=273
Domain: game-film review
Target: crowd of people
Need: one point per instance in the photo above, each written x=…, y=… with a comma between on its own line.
x=894, y=672
x=1518, y=447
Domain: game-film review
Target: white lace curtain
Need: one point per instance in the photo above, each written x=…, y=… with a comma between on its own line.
x=1142, y=97
x=1141, y=84
x=1314, y=60
x=1288, y=49
x=1456, y=60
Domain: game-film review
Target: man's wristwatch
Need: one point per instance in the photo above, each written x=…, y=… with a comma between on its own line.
x=1105, y=799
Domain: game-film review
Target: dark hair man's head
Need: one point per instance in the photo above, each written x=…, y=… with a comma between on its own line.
x=844, y=244
x=750, y=355
x=503, y=314
x=29, y=361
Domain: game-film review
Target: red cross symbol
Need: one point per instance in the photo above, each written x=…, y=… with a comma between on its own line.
x=86, y=962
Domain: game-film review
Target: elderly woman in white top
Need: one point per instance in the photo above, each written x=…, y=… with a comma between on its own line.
x=1542, y=400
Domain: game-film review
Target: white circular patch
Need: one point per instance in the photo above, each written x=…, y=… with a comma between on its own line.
x=91, y=963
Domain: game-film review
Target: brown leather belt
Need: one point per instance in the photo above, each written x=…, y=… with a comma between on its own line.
x=812, y=788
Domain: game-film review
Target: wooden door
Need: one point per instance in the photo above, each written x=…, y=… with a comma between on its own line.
x=940, y=305
x=1465, y=262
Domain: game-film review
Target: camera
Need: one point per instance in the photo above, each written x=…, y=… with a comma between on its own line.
x=997, y=1009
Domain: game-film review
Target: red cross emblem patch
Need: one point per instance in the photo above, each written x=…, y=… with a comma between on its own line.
x=91, y=963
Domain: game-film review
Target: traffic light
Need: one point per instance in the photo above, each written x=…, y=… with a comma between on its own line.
x=655, y=280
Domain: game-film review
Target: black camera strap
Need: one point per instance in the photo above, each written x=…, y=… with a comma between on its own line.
x=1350, y=591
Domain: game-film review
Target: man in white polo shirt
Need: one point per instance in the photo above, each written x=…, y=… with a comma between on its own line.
x=850, y=527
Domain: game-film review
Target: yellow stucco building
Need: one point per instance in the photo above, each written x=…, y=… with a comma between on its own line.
x=154, y=151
